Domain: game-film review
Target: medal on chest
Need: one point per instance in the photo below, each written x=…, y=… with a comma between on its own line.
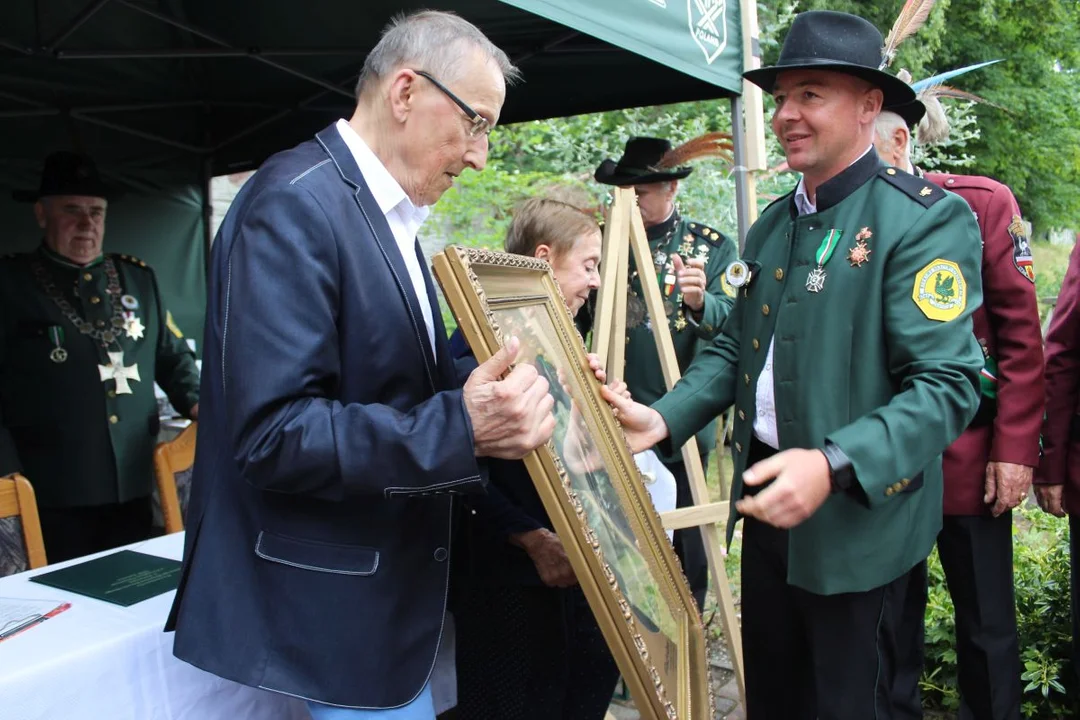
x=815, y=281
x=106, y=334
x=860, y=254
x=120, y=373
x=58, y=353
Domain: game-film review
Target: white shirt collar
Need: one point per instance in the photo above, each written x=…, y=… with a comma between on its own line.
x=388, y=194
x=803, y=204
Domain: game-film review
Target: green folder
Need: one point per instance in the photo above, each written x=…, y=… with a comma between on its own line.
x=123, y=578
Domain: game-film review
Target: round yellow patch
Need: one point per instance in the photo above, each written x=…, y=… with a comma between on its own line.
x=940, y=290
x=726, y=286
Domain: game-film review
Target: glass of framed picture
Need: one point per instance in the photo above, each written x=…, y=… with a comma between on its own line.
x=589, y=484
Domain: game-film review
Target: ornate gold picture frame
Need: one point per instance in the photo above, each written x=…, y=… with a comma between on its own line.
x=589, y=484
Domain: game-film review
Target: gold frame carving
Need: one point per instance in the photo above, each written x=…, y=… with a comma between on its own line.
x=478, y=284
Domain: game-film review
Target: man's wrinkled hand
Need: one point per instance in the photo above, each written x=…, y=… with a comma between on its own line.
x=643, y=426
x=692, y=281
x=512, y=416
x=1006, y=486
x=801, y=486
x=1050, y=499
x=548, y=555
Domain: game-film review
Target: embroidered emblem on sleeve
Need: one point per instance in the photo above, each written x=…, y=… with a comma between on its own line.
x=1022, y=258
x=940, y=290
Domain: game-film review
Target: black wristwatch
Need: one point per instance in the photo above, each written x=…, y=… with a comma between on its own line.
x=841, y=471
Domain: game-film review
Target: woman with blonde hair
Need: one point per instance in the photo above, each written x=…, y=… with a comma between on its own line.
x=527, y=644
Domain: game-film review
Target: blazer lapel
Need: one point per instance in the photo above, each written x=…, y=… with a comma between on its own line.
x=445, y=362
x=335, y=147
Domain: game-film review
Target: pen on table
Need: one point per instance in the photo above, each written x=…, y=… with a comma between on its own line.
x=35, y=621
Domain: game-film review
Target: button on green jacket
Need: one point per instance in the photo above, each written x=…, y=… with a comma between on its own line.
x=77, y=439
x=881, y=361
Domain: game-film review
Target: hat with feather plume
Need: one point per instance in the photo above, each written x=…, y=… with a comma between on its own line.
x=647, y=160
x=924, y=111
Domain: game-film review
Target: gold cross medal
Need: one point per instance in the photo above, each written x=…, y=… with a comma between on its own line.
x=116, y=370
x=860, y=253
x=815, y=281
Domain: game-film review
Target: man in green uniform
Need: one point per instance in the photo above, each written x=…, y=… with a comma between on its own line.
x=83, y=338
x=851, y=362
x=688, y=264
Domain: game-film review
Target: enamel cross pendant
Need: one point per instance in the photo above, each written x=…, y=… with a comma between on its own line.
x=116, y=370
x=815, y=281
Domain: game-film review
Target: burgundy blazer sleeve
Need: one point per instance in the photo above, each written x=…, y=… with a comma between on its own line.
x=1062, y=376
x=1013, y=313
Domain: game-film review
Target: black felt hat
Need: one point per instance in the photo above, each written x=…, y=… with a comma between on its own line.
x=67, y=173
x=638, y=165
x=912, y=112
x=839, y=42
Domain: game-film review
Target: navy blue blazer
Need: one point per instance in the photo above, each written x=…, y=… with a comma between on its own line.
x=330, y=444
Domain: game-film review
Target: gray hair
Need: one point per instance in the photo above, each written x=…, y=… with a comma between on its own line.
x=430, y=40
x=886, y=125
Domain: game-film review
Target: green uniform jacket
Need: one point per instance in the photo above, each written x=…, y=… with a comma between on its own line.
x=76, y=440
x=881, y=362
x=644, y=375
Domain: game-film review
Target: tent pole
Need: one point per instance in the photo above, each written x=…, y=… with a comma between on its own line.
x=198, y=32
x=743, y=191
x=87, y=12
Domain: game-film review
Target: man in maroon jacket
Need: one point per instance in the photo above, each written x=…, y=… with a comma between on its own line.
x=988, y=470
x=1057, y=484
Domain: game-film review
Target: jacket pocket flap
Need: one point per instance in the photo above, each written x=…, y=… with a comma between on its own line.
x=316, y=555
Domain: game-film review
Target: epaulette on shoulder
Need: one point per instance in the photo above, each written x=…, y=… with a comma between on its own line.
x=921, y=191
x=129, y=259
x=953, y=182
x=706, y=233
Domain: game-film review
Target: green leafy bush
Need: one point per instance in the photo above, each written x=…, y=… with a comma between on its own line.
x=1041, y=577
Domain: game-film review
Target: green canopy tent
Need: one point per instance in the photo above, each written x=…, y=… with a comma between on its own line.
x=165, y=94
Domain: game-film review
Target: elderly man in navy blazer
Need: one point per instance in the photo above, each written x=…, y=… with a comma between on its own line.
x=333, y=432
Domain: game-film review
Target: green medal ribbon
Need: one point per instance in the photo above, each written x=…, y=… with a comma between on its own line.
x=58, y=353
x=828, y=245
x=815, y=281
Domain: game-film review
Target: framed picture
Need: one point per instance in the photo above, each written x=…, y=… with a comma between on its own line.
x=589, y=484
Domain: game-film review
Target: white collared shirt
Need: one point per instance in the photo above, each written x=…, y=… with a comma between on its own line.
x=765, y=389
x=401, y=215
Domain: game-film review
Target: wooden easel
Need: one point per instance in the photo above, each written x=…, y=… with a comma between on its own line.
x=624, y=232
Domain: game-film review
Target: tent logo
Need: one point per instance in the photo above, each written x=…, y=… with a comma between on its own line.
x=708, y=26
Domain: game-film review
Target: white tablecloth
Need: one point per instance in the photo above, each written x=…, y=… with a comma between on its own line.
x=99, y=661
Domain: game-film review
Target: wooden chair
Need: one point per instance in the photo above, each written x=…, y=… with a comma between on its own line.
x=21, y=545
x=172, y=469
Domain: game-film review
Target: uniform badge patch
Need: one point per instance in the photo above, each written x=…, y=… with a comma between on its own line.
x=738, y=274
x=726, y=286
x=1022, y=258
x=940, y=290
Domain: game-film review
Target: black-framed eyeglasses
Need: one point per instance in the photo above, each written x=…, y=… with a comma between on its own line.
x=480, y=125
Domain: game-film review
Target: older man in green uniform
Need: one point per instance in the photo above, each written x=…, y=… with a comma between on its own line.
x=83, y=338
x=852, y=366
x=688, y=264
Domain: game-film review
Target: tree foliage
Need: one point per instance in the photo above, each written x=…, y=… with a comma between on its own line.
x=1033, y=145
